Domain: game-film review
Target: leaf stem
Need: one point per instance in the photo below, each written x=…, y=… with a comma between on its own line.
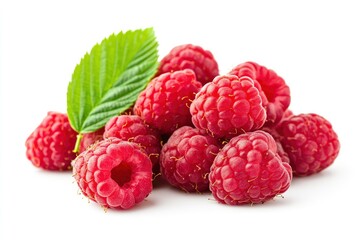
x=77, y=144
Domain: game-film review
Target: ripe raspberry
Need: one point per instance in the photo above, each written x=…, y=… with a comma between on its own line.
x=228, y=106
x=114, y=173
x=310, y=141
x=164, y=104
x=280, y=150
x=192, y=57
x=133, y=129
x=90, y=138
x=50, y=145
x=288, y=113
x=186, y=158
x=272, y=86
x=248, y=170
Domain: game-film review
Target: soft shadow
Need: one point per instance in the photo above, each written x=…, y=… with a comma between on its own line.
x=145, y=204
x=183, y=192
x=277, y=201
x=53, y=173
x=159, y=182
x=297, y=180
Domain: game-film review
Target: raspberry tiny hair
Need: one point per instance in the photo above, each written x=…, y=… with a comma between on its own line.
x=228, y=106
x=249, y=170
x=164, y=104
x=133, y=129
x=50, y=145
x=189, y=56
x=186, y=158
x=271, y=86
x=310, y=141
x=114, y=173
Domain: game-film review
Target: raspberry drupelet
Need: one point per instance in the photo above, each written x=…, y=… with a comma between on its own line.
x=50, y=146
x=90, y=138
x=164, y=104
x=189, y=56
x=114, y=173
x=249, y=170
x=133, y=129
x=186, y=158
x=271, y=86
x=310, y=141
x=228, y=106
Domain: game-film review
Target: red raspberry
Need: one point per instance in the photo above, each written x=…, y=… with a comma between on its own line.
x=164, y=104
x=192, y=57
x=50, y=145
x=272, y=86
x=114, y=173
x=248, y=170
x=228, y=106
x=90, y=138
x=133, y=129
x=310, y=141
x=280, y=150
x=186, y=158
x=288, y=113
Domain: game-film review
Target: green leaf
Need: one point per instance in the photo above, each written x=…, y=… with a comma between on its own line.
x=108, y=80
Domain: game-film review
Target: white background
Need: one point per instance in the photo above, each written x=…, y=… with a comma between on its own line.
x=313, y=45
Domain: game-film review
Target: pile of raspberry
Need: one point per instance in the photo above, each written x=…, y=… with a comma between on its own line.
x=231, y=134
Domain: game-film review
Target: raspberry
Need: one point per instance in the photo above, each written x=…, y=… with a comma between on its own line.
x=192, y=57
x=50, y=145
x=133, y=129
x=310, y=141
x=114, y=173
x=186, y=158
x=288, y=113
x=90, y=138
x=248, y=170
x=280, y=150
x=164, y=104
x=272, y=86
x=228, y=106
